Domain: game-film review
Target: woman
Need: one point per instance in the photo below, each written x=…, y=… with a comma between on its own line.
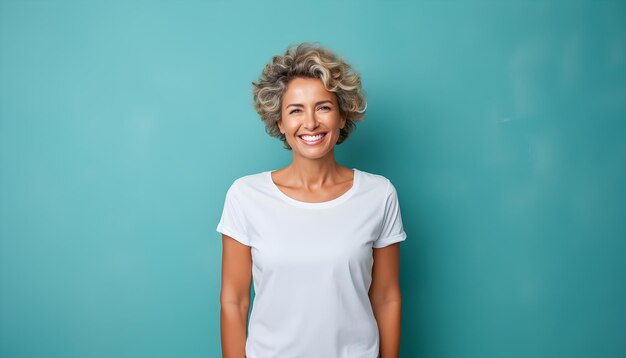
x=320, y=240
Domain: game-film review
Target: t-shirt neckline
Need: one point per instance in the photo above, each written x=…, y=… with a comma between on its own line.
x=319, y=205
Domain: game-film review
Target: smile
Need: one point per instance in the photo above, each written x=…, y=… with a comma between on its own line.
x=312, y=140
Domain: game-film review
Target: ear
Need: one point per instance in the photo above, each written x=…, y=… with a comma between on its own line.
x=280, y=125
x=343, y=121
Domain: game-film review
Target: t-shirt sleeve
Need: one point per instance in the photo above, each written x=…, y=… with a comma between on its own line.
x=392, y=230
x=232, y=222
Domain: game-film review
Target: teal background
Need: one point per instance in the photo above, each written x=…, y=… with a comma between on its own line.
x=500, y=123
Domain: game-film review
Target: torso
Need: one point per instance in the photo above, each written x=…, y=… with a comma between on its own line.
x=312, y=264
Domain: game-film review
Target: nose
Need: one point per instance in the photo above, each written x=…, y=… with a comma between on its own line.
x=310, y=121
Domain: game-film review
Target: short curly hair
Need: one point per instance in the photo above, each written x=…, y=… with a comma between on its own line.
x=308, y=60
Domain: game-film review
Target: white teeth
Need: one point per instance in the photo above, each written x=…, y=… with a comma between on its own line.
x=312, y=138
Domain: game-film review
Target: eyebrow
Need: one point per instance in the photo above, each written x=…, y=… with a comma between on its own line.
x=316, y=103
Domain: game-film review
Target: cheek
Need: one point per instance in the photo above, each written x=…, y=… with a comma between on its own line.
x=286, y=126
x=291, y=128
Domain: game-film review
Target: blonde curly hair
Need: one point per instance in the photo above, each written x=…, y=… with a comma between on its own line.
x=308, y=60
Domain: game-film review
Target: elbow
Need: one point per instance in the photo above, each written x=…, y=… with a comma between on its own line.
x=241, y=307
x=240, y=301
x=390, y=296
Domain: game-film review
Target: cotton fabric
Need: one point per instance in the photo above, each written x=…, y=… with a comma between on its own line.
x=312, y=264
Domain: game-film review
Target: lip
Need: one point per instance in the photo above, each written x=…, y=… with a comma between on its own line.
x=315, y=142
x=316, y=133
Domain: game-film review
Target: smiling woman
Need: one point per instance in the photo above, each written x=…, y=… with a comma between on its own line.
x=320, y=240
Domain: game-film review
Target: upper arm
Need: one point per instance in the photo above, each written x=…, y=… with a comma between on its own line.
x=386, y=274
x=236, y=271
x=392, y=229
x=236, y=246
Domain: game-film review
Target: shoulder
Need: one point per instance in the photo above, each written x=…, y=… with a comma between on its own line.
x=249, y=182
x=379, y=188
x=375, y=182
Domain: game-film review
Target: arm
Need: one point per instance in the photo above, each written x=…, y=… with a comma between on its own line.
x=234, y=296
x=386, y=299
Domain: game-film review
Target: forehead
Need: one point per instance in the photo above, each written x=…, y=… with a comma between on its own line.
x=307, y=89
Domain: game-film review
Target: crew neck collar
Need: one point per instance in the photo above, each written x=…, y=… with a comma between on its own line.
x=319, y=205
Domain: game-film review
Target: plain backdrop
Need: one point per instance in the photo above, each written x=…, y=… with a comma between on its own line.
x=501, y=124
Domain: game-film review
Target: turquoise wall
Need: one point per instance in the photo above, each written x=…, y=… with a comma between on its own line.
x=122, y=124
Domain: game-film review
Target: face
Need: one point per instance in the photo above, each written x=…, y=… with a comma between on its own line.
x=308, y=108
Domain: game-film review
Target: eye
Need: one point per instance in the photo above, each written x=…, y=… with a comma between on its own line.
x=294, y=111
x=326, y=108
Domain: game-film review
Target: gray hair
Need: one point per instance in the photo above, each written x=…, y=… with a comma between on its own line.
x=308, y=60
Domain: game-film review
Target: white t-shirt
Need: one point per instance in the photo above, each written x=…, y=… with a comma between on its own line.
x=312, y=264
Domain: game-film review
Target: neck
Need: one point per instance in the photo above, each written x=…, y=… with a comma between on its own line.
x=314, y=173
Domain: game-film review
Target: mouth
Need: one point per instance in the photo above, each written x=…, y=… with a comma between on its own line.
x=312, y=140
